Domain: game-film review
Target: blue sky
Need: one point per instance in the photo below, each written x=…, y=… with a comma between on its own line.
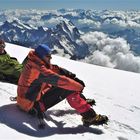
x=75, y=4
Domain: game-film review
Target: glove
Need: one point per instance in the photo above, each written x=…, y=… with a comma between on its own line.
x=71, y=75
x=79, y=81
x=67, y=73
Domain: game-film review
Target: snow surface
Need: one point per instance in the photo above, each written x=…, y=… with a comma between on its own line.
x=116, y=93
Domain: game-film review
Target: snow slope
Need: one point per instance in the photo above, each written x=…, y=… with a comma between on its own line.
x=116, y=93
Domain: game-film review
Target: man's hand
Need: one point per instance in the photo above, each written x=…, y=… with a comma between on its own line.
x=67, y=73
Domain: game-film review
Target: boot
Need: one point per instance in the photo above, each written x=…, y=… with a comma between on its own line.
x=91, y=118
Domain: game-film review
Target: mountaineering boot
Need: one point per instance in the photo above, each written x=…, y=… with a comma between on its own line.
x=97, y=120
x=91, y=101
x=91, y=118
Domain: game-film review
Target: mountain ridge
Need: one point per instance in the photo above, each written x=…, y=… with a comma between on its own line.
x=96, y=37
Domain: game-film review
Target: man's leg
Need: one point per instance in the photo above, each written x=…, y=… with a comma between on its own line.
x=54, y=96
x=49, y=99
x=89, y=116
x=78, y=103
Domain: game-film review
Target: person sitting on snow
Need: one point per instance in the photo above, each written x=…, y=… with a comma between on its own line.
x=42, y=85
x=10, y=68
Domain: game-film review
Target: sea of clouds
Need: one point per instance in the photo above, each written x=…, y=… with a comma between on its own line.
x=105, y=50
x=110, y=52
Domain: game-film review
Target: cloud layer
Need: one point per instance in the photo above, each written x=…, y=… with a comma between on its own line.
x=98, y=28
x=111, y=52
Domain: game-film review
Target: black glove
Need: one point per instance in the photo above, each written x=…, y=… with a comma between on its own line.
x=67, y=73
x=71, y=75
x=79, y=81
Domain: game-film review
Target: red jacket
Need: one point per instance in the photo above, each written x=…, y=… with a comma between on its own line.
x=36, y=78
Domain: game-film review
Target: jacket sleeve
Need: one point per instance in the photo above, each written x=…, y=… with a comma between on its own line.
x=50, y=77
x=69, y=74
x=63, y=71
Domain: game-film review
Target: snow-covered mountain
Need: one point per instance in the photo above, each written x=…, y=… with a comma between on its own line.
x=116, y=93
x=125, y=24
x=106, y=38
x=61, y=38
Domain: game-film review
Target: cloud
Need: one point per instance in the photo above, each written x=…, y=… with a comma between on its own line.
x=111, y=52
x=54, y=21
x=115, y=24
x=127, y=62
x=98, y=58
x=87, y=22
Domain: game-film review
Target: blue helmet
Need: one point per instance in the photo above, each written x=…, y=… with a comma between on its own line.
x=42, y=50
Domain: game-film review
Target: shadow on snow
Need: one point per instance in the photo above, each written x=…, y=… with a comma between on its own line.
x=11, y=116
